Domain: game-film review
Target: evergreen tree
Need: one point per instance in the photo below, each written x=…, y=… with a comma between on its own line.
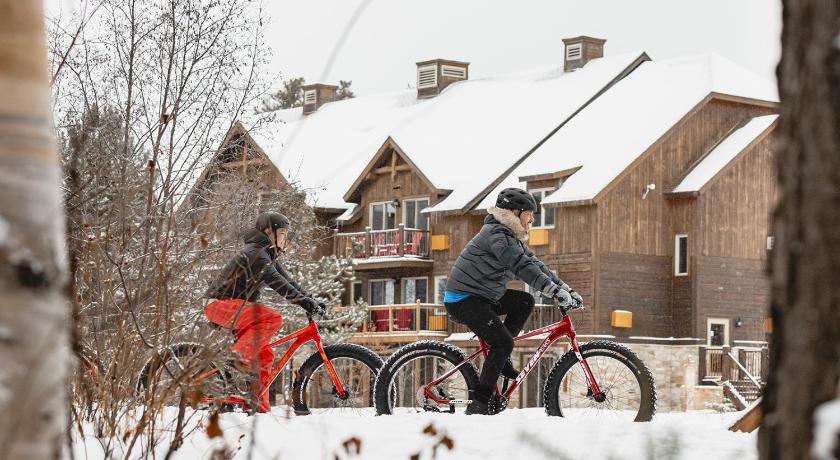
x=344, y=91
x=290, y=95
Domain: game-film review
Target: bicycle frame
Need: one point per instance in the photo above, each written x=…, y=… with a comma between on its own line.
x=300, y=337
x=556, y=331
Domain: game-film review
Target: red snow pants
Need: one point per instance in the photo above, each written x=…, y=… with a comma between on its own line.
x=254, y=325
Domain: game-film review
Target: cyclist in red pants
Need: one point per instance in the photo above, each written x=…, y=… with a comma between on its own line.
x=236, y=290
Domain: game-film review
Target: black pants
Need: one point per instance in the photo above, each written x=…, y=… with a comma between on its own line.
x=482, y=316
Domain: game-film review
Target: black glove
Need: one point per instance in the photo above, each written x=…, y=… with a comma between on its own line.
x=309, y=304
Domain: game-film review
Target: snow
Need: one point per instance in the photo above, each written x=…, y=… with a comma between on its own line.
x=607, y=136
x=721, y=155
x=826, y=429
x=514, y=434
x=460, y=140
x=376, y=260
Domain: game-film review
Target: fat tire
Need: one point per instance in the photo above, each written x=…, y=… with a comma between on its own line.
x=647, y=408
x=177, y=350
x=413, y=350
x=341, y=350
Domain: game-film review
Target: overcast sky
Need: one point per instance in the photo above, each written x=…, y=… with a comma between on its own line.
x=501, y=36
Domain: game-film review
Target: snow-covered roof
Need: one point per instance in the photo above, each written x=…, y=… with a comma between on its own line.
x=462, y=140
x=607, y=136
x=721, y=155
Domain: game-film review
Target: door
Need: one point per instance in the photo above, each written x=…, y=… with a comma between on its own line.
x=717, y=332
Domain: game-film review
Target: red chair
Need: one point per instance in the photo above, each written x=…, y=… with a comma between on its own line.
x=403, y=319
x=380, y=320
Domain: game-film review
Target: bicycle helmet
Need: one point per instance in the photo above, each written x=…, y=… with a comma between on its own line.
x=271, y=220
x=516, y=198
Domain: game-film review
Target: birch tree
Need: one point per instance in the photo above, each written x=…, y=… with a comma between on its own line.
x=33, y=309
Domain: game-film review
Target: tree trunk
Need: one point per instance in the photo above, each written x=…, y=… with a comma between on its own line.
x=805, y=353
x=33, y=308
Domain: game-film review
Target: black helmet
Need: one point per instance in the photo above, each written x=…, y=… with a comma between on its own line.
x=516, y=198
x=272, y=220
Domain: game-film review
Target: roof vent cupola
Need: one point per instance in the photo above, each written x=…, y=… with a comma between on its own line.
x=316, y=95
x=435, y=75
x=580, y=50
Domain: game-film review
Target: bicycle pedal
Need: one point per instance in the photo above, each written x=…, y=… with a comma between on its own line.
x=459, y=401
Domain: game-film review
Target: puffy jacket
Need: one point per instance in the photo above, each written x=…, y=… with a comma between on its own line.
x=496, y=256
x=256, y=265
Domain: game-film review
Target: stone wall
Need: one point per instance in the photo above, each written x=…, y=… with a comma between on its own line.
x=674, y=369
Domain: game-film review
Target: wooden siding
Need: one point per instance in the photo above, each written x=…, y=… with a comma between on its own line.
x=380, y=187
x=629, y=224
x=740, y=230
x=682, y=221
x=640, y=284
x=732, y=288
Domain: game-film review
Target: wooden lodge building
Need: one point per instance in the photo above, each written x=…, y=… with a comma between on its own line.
x=656, y=182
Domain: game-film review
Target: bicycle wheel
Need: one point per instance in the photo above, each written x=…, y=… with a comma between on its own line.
x=356, y=366
x=174, y=371
x=627, y=385
x=399, y=386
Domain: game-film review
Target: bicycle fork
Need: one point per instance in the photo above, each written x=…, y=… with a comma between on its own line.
x=597, y=394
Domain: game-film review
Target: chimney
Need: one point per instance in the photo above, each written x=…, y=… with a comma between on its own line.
x=435, y=75
x=580, y=50
x=316, y=95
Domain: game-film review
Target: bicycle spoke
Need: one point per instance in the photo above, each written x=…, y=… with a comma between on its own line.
x=357, y=380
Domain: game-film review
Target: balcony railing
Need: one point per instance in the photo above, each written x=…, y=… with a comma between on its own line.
x=419, y=317
x=395, y=242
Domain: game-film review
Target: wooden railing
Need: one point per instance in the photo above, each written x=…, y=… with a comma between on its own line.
x=396, y=242
x=719, y=363
x=410, y=317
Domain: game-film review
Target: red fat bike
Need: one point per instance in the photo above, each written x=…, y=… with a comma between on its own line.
x=595, y=379
x=334, y=376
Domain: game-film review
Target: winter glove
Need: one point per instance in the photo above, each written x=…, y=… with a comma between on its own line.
x=309, y=304
x=578, y=300
x=553, y=291
x=563, y=298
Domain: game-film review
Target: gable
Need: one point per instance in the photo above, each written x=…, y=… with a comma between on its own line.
x=384, y=171
x=238, y=157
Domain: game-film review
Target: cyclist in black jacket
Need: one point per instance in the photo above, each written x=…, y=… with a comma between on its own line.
x=235, y=292
x=476, y=289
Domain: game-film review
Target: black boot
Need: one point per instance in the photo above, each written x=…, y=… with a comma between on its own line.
x=480, y=397
x=509, y=371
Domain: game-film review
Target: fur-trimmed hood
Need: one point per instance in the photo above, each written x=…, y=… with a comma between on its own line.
x=507, y=218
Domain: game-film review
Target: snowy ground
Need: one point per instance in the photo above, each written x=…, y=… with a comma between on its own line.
x=514, y=434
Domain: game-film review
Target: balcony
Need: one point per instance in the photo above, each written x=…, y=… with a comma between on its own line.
x=382, y=248
x=403, y=323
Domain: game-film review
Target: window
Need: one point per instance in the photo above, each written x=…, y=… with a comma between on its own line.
x=574, y=52
x=543, y=218
x=771, y=241
x=355, y=292
x=309, y=97
x=381, y=292
x=440, y=289
x=414, y=289
x=427, y=77
x=718, y=332
x=411, y=214
x=383, y=216
x=681, y=255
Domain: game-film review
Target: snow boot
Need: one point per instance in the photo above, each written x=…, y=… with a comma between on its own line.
x=509, y=371
x=480, y=397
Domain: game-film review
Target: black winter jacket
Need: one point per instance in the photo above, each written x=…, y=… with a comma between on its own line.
x=494, y=257
x=256, y=265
